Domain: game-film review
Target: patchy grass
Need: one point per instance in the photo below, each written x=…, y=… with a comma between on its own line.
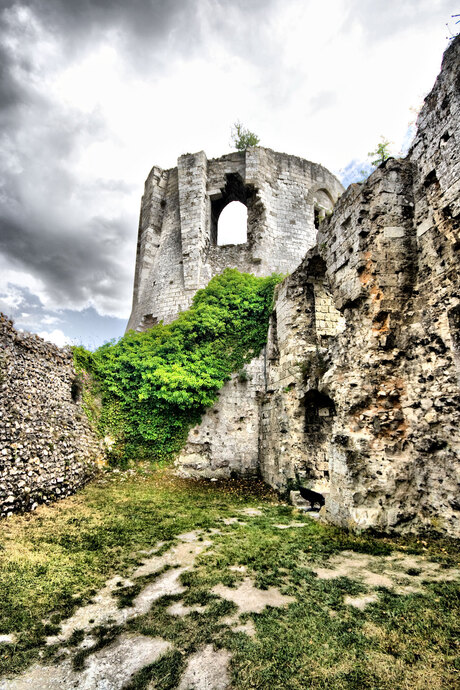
x=56, y=559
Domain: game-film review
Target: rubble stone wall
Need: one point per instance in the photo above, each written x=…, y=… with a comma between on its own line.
x=47, y=448
x=295, y=417
x=227, y=440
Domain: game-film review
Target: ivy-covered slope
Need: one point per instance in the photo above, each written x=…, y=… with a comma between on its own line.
x=154, y=386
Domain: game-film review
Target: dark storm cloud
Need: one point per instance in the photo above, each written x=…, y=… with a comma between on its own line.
x=77, y=257
x=45, y=226
x=148, y=27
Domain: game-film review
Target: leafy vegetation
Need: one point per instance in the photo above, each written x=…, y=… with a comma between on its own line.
x=381, y=153
x=154, y=386
x=360, y=171
x=242, y=137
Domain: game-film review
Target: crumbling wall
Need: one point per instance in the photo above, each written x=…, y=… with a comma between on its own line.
x=359, y=397
x=295, y=416
x=47, y=448
x=284, y=196
x=390, y=252
x=227, y=440
x=177, y=251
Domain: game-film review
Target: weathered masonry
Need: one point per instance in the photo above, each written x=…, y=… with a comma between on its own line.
x=47, y=447
x=178, y=253
x=357, y=393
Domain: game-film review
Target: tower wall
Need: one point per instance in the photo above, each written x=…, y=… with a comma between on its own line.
x=177, y=250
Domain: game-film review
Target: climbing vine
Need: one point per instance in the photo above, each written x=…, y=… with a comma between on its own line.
x=154, y=386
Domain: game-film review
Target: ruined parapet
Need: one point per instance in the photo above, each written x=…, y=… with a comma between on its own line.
x=178, y=251
x=47, y=448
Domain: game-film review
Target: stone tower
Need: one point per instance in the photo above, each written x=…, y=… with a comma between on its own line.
x=178, y=252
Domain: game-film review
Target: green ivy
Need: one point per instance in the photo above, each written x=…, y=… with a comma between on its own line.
x=155, y=385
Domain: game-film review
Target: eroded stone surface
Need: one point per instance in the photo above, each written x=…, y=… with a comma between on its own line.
x=249, y=599
x=371, y=416
x=207, y=669
x=360, y=602
x=104, y=609
x=404, y=574
x=248, y=627
x=8, y=639
x=183, y=554
x=108, y=669
x=180, y=609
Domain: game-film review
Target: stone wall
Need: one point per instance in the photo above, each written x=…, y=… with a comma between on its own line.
x=227, y=440
x=295, y=418
x=177, y=251
x=47, y=449
x=358, y=393
x=385, y=388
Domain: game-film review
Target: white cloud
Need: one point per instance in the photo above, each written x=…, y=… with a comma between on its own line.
x=50, y=320
x=57, y=337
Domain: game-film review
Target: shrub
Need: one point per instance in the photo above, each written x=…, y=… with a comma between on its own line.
x=155, y=385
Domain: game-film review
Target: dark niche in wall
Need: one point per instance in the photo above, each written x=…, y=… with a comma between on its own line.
x=319, y=413
x=319, y=410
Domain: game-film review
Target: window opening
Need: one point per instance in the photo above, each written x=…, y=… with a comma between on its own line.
x=232, y=224
x=317, y=219
x=222, y=204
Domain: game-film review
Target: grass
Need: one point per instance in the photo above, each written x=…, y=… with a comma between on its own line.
x=56, y=559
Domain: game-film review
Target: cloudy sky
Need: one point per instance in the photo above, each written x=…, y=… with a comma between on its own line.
x=94, y=92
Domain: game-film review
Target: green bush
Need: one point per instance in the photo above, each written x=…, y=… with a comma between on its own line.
x=155, y=385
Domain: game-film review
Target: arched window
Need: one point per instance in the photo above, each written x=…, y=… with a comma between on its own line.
x=232, y=225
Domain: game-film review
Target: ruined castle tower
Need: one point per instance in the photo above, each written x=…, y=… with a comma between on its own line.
x=178, y=250
x=356, y=394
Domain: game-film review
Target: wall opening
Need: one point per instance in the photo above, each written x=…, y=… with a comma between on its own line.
x=323, y=203
x=317, y=217
x=232, y=225
x=319, y=410
x=233, y=212
x=76, y=389
x=319, y=414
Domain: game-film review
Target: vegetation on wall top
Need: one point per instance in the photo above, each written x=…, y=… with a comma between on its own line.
x=154, y=386
x=242, y=138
